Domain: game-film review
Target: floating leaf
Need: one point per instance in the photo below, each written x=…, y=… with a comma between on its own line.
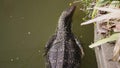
x=113, y=37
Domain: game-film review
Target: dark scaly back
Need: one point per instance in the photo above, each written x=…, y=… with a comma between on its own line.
x=63, y=50
x=72, y=54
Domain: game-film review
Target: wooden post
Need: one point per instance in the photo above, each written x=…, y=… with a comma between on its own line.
x=104, y=53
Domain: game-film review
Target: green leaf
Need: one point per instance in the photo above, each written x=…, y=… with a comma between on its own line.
x=102, y=2
x=113, y=37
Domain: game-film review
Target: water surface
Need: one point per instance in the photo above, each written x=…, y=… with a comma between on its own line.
x=26, y=25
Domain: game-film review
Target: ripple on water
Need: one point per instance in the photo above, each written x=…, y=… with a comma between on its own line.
x=17, y=58
x=29, y=33
x=39, y=51
x=11, y=59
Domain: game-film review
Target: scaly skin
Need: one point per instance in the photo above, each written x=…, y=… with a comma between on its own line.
x=63, y=50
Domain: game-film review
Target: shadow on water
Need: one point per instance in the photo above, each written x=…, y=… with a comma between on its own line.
x=25, y=27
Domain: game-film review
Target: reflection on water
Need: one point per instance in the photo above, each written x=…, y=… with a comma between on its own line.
x=25, y=27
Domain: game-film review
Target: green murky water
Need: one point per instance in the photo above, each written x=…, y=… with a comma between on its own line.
x=26, y=25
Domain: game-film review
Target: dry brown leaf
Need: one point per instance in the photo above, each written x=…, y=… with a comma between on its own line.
x=114, y=14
